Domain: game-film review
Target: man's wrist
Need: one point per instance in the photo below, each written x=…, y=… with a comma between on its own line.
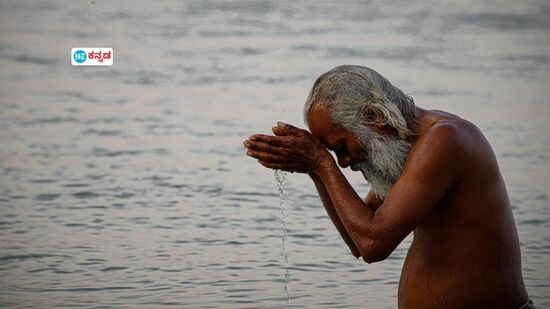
x=324, y=163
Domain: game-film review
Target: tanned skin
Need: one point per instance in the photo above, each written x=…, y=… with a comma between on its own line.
x=465, y=251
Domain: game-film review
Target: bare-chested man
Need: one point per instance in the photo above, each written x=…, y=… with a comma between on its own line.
x=432, y=173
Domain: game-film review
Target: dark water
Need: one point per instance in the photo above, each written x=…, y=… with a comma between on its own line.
x=128, y=187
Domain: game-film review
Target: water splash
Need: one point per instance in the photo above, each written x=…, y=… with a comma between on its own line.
x=280, y=176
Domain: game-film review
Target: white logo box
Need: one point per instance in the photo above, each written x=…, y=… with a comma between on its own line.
x=92, y=56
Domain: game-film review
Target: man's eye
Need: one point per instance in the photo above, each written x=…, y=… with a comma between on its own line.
x=341, y=149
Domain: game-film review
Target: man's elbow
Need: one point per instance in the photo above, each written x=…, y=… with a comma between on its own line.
x=372, y=252
x=373, y=258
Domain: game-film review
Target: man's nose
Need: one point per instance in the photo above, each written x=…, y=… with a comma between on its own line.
x=343, y=160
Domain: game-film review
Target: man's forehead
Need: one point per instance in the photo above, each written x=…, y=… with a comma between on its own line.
x=320, y=122
x=322, y=126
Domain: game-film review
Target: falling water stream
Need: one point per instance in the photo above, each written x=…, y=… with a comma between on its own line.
x=280, y=176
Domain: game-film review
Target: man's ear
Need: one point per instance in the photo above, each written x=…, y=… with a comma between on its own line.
x=375, y=117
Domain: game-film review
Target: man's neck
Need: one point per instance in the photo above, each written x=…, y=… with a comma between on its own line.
x=416, y=126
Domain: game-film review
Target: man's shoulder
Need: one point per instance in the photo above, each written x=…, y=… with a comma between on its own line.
x=450, y=144
x=456, y=133
x=443, y=135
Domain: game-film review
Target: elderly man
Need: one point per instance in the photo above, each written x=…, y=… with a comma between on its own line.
x=432, y=173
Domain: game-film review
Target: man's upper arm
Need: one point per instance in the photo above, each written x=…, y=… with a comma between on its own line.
x=434, y=165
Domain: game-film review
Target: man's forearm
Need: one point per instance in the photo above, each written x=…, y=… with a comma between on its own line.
x=331, y=211
x=352, y=212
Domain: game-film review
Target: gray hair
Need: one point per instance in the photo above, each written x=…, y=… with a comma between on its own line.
x=352, y=92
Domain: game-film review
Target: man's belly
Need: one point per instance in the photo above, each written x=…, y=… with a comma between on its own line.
x=454, y=276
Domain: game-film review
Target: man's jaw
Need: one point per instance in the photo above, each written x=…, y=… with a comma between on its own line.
x=381, y=185
x=382, y=163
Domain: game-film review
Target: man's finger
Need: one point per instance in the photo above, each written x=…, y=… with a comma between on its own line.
x=272, y=140
x=268, y=157
x=281, y=166
x=265, y=147
x=287, y=129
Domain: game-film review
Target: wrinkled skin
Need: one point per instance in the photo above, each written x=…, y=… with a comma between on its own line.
x=291, y=149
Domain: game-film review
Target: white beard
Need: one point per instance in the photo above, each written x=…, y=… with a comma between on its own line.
x=383, y=160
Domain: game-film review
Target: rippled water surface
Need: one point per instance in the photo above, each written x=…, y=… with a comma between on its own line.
x=128, y=187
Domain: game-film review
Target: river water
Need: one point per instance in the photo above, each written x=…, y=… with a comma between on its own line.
x=127, y=186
